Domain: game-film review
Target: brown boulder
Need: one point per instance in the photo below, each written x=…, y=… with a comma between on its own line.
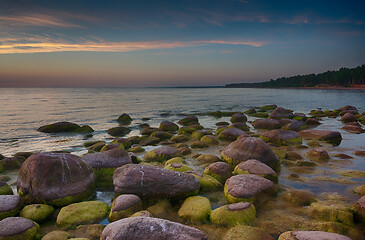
x=281, y=137
x=311, y=235
x=153, y=182
x=280, y=112
x=250, y=148
x=349, y=117
x=266, y=124
x=332, y=137
x=360, y=209
x=219, y=170
x=55, y=178
x=231, y=134
x=108, y=159
x=148, y=228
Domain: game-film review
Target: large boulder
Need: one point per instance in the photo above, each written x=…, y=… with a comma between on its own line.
x=253, y=166
x=82, y=213
x=247, y=187
x=37, y=212
x=280, y=113
x=266, y=124
x=64, y=127
x=118, y=131
x=311, y=235
x=16, y=228
x=161, y=154
x=124, y=206
x=10, y=206
x=148, y=228
x=153, y=182
x=55, y=178
x=281, y=137
x=195, y=209
x=243, y=213
x=332, y=137
x=250, y=148
x=168, y=126
x=231, y=134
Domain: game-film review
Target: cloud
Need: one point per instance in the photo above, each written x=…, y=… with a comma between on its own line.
x=11, y=47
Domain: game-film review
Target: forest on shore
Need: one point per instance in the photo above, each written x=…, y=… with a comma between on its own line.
x=344, y=77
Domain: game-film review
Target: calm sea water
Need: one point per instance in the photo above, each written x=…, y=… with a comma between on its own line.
x=26, y=109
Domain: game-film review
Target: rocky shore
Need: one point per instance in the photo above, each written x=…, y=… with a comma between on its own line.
x=265, y=173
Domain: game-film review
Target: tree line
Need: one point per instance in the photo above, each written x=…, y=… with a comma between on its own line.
x=345, y=77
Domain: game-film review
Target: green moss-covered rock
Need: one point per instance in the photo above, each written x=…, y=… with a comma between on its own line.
x=318, y=155
x=281, y=137
x=210, y=140
x=124, y=119
x=208, y=183
x=260, y=115
x=82, y=213
x=168, y=126
x=5, y=189
x=195, y=209
x=56, y=235
x=118, y=131
x=37, y=212
x=332, y=211
x=136, y=149
x=242, y=213
x=180, y=138
x=208, y=158
x=198, y=144
x=90, y=232
x=359, y=190
x=299, y=197
x=200, y=133
x=188, y=120
x=84, y=129
x=231, y=134
x=178, y=167
x=179, y=160
x=124, y=206
x=126, y=143
x=161, y=135
x=268, y=107
x=96, y=147
x=18, y=228
x=59, y=127
x=359, y=208
x=219, y=170
x=238, y=117
x=186, y=130
x=243, y=232
x=339, y=228
x=143, y=213
x=161, y=154
x=162, y=209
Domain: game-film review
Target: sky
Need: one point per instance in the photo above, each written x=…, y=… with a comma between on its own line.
x=140, y=43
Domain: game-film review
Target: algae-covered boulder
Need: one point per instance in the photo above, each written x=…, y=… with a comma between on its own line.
x=180, y=138
x=198, y=144
x=162, y=135
x=188, y=121
x=359, y=208
x=266, y=124
x=55, y=178
x=219, y=170
x=143, y=213
x=311, y=235
x=195, y=209
x=243, y=213
x=254, y=166
x=82, y=213
x=56, y=235
x=281, y=137
x=210, y=140
x=231, y=134
x=124, y=206
x=238, y=117
x=5, y=189
x=198, y=134
x=348, y=117
x=161, y=154
x=295, y=125
x=178, y=167
x=243, y=232
x=148, y=228
x=280, y=112
x=37, y=212
x=18, y=228
x=208, y=158
x=318, y=155
x=332, y=211
x=208, y=183
x=124, y=119
x=240, y=125
x=247, y=187
x=89, y=232
x=168, y=126
x=60, y=127
x=247, y=148
x=118, y=131
x=332, y=137
x=10, y=206
x=153, y=182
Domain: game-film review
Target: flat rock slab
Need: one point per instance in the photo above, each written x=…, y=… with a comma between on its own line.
x=312, y=235
x=149, y=181
x=332, y=137
x=109, y=159
x=250, y=148
x=148, y=228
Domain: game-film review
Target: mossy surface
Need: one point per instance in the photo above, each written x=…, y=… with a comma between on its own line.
x=208, y=183
x=232, y=199
x=178, y=167
x=6, y=190
x=37, y=212
x=332, y=211
x=179, y=160
x=82, y=213
x=195, y=209
x=56, y=235
x=116, y=215
x=242, y=232
x=228, y=217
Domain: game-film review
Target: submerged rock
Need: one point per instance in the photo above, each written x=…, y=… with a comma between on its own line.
x=332, y=137
x=64, y=127
x=332, y=211
x=55, y=178
x=281, y=137
x=18, y=228
x=153, y=182
x=148, y=228
x=250, y=148
x=311, y=235
x=243, y=213
x=317, y=155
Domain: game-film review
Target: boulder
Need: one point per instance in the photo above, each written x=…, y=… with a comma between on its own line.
x=348, y=117
x=82, y=213
x=240, y=125
x=312, y=122
x=113, y=158
x=243, y=232
x=178, y=167
x=359, y=208
x=188, y=121
x=198, y=134
x=281, y=137
x=295, y=126
x=280, y=113
x=311, y=235
x=195, y=209
x=143, y=213
x=331, y=137
x=260, y=115
x=118, y=131
x=5, y=189
x=256, y=167
x=37, y=212
x=124, y=206
x=250, y=148
x=247, y=187
x=122, y=143
x=210, y=140
x=208, y=158
x=162, y=135
x=219, y=170
x=64, y=127
x=148, y=228
x=318, y=155
x=16, y=228
x=231, y=134
x=238, y=117
x=161, y=154
x=242, y=213
x=88, y=232
x=153, y=182
x=266, y=124
x=10, y=163
x=198, y=144
x=10, y=206
x=55, y=178
x=124, y=119
x=207, y=182
x=56, y=235
x=168, y=126
x=180, y=138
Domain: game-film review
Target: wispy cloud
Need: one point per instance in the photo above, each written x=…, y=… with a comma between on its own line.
x=10, y=47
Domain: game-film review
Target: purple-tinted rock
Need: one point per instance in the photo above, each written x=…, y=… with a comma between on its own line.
x=108, y=159
x=16, y=227
x=238, y=117
x=266, y=124
x=280, y=112
x=332, y=137
x=231, y=134
x=219, y=170
x=281, y=137
x=168, y=126
x=312, y=235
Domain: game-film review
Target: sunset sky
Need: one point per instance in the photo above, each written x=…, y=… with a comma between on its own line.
x=175, y=42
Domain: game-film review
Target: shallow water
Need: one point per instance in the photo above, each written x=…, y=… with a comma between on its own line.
x=24, y=110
